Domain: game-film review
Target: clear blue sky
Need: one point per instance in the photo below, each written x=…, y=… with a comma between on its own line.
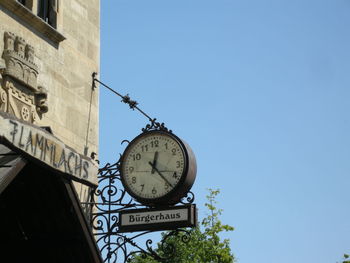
x=261, y=92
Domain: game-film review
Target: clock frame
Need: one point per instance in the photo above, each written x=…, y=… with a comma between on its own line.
x=183, y=185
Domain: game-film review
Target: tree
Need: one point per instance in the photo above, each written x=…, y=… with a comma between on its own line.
x=204, y=244
x=346, y=258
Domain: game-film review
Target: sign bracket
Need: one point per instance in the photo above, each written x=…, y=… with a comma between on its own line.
x=108, y=201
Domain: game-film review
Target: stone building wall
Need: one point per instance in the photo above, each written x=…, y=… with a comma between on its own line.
x=63, y=60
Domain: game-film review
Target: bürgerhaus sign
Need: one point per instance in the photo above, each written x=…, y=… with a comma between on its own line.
x=133, y=220
x=45, y=147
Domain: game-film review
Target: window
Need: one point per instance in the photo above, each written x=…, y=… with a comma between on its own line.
x=47, y=10
x=27, y=3
x=42, y=15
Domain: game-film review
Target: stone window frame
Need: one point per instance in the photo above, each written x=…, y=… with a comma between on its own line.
x=27, y=13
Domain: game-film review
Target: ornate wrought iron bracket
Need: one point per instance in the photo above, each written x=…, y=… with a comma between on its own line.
x=107, y=201
x=110, y=198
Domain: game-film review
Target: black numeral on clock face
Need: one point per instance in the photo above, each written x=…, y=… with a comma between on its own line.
x=144, y=148
x=154, y=143
x=178, y=164
x=136, y=157
x=154, y=190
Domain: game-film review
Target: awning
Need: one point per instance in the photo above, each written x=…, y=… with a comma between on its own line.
x=10, y=164
x=41, y=216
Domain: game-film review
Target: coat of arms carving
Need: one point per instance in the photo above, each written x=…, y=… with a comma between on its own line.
x=20, y=94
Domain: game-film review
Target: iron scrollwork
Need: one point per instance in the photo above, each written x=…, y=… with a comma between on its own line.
x=108, y=200
x=154, y=125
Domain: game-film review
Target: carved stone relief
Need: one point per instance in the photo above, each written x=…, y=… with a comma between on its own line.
x=19, y=93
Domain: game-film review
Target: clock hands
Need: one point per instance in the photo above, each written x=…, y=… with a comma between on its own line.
x=161, y=175
x=154, y=162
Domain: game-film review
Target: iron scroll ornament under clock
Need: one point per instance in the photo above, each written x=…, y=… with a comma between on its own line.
x=158, y=168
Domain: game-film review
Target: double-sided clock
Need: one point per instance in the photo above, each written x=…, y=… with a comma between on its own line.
x=158, y=168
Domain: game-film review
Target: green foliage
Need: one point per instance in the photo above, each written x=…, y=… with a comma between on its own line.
x=346, y=258
x=204, y=245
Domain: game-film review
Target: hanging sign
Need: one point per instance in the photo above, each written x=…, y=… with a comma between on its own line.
x=48, y=149
x=155, y=219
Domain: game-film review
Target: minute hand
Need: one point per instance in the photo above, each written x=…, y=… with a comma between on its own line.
x=161, y=175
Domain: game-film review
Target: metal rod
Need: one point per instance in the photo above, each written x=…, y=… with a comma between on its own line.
x=126, y=99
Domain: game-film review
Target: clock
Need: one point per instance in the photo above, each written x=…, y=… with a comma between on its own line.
x=158, y=168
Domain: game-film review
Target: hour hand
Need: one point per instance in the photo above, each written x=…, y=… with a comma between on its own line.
x=154, y=162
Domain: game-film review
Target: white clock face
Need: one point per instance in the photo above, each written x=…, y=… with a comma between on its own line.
x=153, y=165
